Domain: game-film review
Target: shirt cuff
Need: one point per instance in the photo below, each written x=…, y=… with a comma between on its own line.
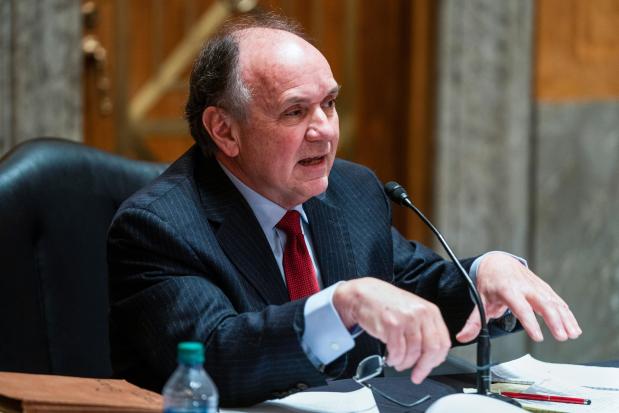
x=325, y=337
x=508, y=321
x=478, y=260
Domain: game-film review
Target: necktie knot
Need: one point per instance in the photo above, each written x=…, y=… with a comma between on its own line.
x=290, y=223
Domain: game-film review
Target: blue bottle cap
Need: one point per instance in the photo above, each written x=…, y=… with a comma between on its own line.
x=190, y=352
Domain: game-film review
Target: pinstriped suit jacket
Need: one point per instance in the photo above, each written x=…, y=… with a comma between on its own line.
x=189, y=261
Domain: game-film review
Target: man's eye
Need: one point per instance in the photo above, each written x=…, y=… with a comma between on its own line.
x=330, y=103
x=294, y=113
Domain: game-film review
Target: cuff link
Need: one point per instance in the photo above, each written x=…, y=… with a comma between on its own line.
x=508, y=321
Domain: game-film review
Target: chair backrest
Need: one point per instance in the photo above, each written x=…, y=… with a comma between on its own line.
x=57, y=199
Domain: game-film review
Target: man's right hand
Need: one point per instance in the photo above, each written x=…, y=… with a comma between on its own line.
x=411, y=327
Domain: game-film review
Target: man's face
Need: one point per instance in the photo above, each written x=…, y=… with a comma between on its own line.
x=287, y=144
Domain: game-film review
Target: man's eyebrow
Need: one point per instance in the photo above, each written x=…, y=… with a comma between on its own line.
x=299, y=99
x=335, y=90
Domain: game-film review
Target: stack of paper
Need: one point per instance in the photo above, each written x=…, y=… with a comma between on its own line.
x=598, y=384
x=528, y=369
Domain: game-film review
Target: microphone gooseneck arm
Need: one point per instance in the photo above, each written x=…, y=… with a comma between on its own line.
x=398, y=194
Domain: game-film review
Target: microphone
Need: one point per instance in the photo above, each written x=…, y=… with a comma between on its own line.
x=399, y=195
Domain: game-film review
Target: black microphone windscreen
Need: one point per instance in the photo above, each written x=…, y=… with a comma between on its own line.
x=395, y=191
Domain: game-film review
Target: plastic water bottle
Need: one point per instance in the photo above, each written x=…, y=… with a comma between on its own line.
x=190, y=389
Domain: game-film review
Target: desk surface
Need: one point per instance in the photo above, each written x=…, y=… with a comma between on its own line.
x=403, y=389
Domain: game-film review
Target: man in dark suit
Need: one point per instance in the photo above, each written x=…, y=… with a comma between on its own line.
x=278, y=257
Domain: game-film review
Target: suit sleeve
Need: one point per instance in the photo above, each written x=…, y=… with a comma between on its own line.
x=416, y=268
x=158, y=299
x=420, y=270
x=423, y=272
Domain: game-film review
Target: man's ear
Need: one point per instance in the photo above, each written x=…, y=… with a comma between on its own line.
x=219, y=125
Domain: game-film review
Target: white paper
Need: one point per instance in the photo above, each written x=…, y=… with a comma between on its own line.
x=358, y=401
x=598, y=384
x=529, y=370
x=602, y=401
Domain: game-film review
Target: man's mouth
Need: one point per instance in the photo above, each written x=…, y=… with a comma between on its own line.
x=312, y=161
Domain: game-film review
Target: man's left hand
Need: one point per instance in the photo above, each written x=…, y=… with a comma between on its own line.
x=503, y=282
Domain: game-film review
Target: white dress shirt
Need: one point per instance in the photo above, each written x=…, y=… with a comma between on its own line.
x=325, y=337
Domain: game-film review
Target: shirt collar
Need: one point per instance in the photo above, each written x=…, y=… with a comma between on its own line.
x=267, y=212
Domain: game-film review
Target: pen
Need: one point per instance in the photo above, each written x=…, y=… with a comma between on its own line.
x=545, y=397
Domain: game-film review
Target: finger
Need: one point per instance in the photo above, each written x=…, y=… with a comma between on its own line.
x=560, y=319
x=574, y=330
x=570, y=324
x=443, y=335
x=396, y=348
x=433, y=351
x=423, y=367
x=426, y=362
x=471, y=328
x=524, y=313
x=413, y=347
x=495, y=310
x=547, y=308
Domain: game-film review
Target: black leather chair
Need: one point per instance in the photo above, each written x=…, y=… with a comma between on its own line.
x=57, y=199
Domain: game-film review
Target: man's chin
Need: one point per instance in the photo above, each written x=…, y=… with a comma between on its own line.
x=316, y=187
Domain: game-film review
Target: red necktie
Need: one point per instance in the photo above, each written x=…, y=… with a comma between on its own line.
x=298, y=268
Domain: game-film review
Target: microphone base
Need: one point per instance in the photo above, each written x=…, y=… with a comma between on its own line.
x=502, y=398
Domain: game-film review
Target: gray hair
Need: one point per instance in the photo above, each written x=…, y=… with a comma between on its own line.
x=216, y=75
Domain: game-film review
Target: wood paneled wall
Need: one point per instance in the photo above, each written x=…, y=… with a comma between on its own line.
x=380, y=51
x=577, y=55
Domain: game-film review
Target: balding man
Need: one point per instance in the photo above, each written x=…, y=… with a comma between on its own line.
x=280, y=258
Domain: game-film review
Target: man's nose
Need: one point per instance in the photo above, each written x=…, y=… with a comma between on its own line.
x=322, y=125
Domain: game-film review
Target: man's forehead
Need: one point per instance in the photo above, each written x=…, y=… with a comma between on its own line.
x=265, y=36
x=274, y=60
x=260, y=47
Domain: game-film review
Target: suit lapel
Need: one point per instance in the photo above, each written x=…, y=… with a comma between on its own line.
x=244, y=243
x=246, y=246
x=239, y=232
x=331, y=241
